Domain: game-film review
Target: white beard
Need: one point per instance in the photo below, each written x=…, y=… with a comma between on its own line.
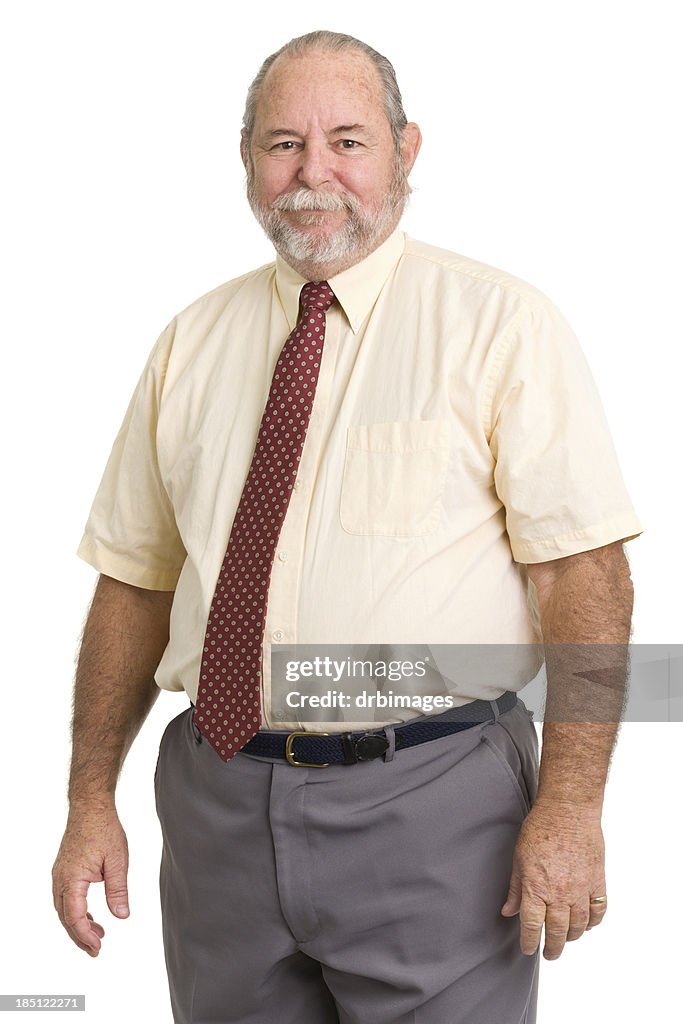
x=356, y=238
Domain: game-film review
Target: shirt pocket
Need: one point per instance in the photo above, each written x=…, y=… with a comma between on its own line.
x=393, y=479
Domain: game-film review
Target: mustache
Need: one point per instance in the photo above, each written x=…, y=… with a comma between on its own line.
x=308, y=199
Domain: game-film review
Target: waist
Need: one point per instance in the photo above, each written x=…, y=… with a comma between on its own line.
x=307, y=748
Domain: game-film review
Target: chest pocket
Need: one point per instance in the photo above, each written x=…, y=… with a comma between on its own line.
x=393, y=478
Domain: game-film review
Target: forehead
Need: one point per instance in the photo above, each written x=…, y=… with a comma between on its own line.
x=321, y=87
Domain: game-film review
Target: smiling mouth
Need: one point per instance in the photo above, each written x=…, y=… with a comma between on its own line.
x=313, y=216
x=315, y=212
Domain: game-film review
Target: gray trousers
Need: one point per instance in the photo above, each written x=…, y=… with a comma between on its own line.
x=361, y=894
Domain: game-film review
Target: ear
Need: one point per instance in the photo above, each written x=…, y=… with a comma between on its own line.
x=243, y=152
x=410, y=145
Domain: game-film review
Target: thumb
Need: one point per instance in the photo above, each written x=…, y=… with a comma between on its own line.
x=116, y=888
x=514, y=897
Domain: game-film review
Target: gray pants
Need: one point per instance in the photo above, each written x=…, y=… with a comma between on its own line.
x=361, y=894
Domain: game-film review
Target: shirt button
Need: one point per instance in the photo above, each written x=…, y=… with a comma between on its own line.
x=282, y=556
x=278, y=634
x=296, y=485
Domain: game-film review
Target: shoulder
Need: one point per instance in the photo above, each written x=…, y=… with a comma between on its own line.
x=187, y=332
x=462, y=273
x=251, y=285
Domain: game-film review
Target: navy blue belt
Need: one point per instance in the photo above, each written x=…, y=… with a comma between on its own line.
x=319, y=749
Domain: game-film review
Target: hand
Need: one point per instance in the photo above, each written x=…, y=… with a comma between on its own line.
x=94, y=848
x=558, y=866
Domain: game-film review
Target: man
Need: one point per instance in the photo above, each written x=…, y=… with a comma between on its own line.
x=369, y=441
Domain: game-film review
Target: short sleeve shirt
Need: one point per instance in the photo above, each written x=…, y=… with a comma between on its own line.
x=456, y=436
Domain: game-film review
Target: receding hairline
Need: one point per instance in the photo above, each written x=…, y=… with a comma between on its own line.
x=318, y=49
x=327, y=42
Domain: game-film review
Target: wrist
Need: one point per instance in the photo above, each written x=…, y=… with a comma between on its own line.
x=81, y=804
x=562, y=805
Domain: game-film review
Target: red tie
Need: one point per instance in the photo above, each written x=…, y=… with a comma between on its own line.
x=228, y=705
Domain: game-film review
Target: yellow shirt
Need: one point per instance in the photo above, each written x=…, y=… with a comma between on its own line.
x=456, y=435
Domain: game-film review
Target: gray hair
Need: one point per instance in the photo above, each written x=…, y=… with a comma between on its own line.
x=334, y=42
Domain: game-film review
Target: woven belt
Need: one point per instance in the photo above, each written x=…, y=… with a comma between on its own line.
x=309, y=749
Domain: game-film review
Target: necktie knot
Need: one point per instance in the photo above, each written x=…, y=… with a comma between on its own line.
x=316, y=295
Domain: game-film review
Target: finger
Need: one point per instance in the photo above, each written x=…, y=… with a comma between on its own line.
x=532, y=913
x=88, y=946
x=596, y=913
x=115, y=885
x=75, y=918
x=556, y=928
x=81, y=945
x=579, y=917
x=514, y=896
x=98, y=927
x=74, y=938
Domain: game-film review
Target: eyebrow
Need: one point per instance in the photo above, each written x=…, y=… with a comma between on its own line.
x=347, y=128
x=275, y=132
x=341, y=129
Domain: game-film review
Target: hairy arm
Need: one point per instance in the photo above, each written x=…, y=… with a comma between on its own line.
x=585, y=603
x=124, y=637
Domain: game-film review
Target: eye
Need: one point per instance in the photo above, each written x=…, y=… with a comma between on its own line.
x=349, y=143
x=286, y=146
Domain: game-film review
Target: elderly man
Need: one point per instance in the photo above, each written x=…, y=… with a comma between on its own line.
x=368, y=441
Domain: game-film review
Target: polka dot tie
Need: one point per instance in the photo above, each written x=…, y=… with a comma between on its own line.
x=228, y=704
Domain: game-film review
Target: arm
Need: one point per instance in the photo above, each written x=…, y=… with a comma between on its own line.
x=586, y=599
x=585, y=603
x=124, y=637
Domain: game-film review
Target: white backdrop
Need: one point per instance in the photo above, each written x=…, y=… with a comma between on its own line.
x=551, y=150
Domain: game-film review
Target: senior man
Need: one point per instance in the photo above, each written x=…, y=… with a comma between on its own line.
x=368, y=441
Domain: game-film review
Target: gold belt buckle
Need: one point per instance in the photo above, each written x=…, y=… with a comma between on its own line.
x=290, y=756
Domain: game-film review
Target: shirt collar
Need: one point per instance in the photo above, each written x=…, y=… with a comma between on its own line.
x=356, y=289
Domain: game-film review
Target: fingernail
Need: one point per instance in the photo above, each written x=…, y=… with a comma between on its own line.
x=122, y=909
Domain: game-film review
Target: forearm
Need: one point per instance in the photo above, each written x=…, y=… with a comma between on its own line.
x=586, y=624
x=123, y=640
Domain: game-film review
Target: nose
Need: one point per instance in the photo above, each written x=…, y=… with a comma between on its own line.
x=314, y=168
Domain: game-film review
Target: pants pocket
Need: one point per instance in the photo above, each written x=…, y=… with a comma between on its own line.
x=511, y=762
x=164, y=737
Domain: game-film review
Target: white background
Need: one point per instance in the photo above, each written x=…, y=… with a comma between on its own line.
x=551, y=135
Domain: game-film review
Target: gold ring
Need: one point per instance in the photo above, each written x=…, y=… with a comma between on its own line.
x=598, y=899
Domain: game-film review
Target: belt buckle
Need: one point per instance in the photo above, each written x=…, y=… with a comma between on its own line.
x=289, y=742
